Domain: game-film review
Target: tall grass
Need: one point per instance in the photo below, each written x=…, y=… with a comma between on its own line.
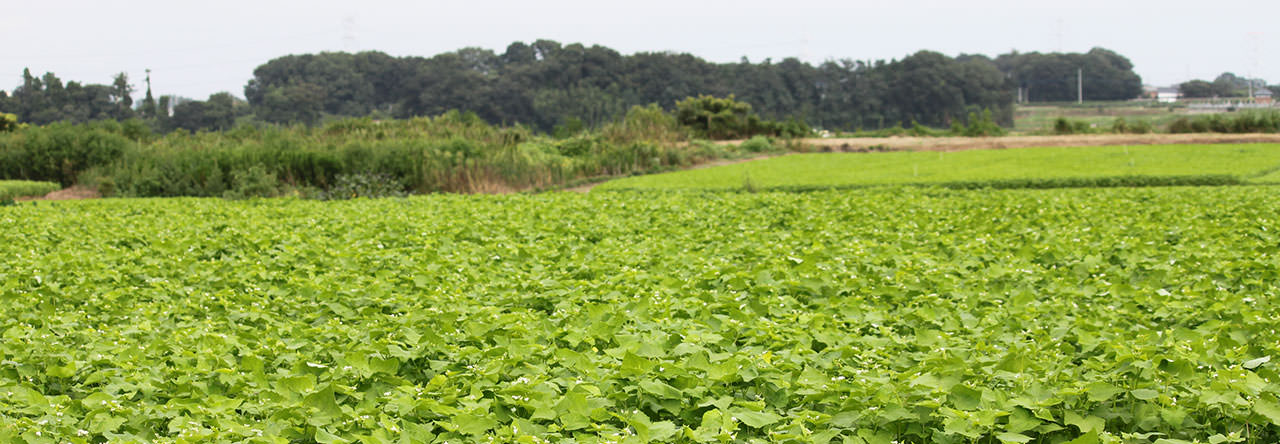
x=454, y=152
x=10, y=189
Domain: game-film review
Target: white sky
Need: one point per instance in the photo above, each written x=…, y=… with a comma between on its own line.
x=198, y=48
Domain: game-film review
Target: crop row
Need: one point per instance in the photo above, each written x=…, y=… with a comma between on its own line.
x=910, y=316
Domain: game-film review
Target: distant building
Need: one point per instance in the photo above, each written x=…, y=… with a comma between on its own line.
x=1149, y=92
x=1167, y=94
x=1262, y=95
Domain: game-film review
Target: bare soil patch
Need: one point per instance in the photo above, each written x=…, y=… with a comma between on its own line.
x=75, y=192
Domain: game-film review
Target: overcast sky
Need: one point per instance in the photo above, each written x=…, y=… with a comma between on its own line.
x=198, y=48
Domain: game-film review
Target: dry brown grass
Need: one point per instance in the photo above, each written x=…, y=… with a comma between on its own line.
x=76, y=192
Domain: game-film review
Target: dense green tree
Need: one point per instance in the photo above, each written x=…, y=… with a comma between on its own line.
x=1230, y=85
x=121, y=92
x=1225, y=85
x=218, y=112
x=715, y=117
x=148, y=108
x=45, y=99
x=1053, y=77
x=545, y=83
x=1196, y=89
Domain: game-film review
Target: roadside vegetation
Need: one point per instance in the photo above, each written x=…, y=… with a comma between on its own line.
x=454, y=152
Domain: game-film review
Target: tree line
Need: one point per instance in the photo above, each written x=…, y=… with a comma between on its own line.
x=546, y=84
x=46, y=99
x=1225, y=85
x=1056, y=77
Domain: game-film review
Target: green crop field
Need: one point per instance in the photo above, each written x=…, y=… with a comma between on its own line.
x=10, y=189
x=1012, y=168
x=906, y=315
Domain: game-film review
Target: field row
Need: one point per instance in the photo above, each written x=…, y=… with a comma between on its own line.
x=1049, y=167
x=910, y=315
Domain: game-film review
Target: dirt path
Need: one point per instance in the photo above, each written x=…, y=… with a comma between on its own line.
x=76, y=192
x=974, y=143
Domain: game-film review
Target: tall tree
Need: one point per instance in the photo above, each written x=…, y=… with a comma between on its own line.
x=121, y=92
x=149, y=102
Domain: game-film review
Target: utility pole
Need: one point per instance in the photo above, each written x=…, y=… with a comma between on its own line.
x=1079, y=85
x=1255, y=38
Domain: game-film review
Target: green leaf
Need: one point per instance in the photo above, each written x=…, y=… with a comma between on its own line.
x=1087, y=438
x=1086, y=424
x=1268, y=408
x=1101, y=391
x=662, y=431
x=62, y=371
x=324, y=437
x=413, y=433
x=1254, y=363
x=660, y=389
x=474, y=424
x=1144, y=394
x=1013, y=437
x=754, y=419
x=636, y=365
x=324, y=405
x=1021, y=421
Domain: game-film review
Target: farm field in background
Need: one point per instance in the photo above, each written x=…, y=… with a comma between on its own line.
x=904, y=315
x=1038, y=119
x=1023, y=167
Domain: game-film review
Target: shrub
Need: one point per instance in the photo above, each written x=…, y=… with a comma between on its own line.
x=1064, y=126
x=1181, y=125
x=368, y=185
x=254, y=181
x=725, y=119
x=8, y=122
x=757, y=144
x=1239, y=123
x=59, y=152
x=984, y=126
x=1119, y=126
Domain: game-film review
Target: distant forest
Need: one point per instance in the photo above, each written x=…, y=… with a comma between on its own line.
x=545, y=84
